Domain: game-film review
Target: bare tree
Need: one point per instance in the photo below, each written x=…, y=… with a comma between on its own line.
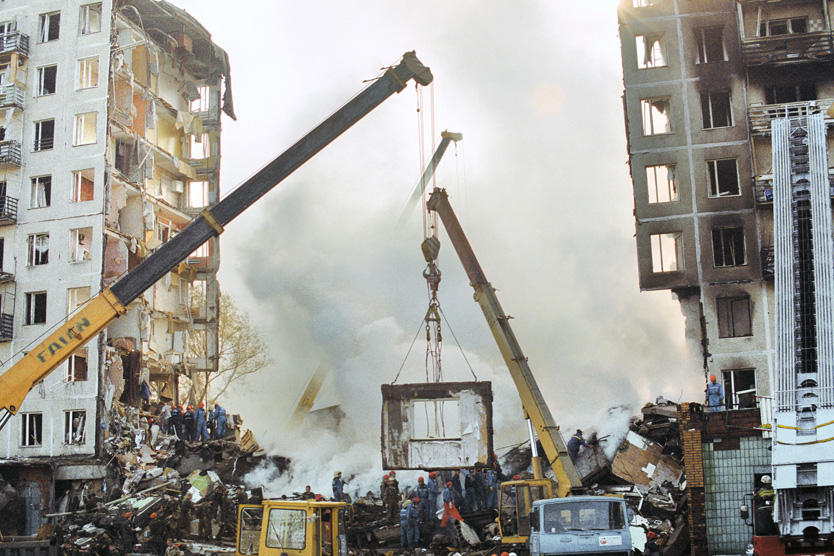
x=241, y=353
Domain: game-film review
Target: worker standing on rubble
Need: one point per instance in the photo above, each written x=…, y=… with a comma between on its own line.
x=165, y=417
x=492, y=489
x=423, y=493
x=457, y=490
x=173, y=550
x=200, y=423
x=404, y=524
x=219, y=415
x=175, y=423
x=391, y=497
x=183, y=516
x=431, y=506
x=127, y=537
x=188, y=423
x=575, y=443
x=714, y=395
x=469, y=497
x=449, y=509
x=205, y=511
x=383, y=487
x=481, y=488
x=158, y=529
x=413, y=522
x=338, y=487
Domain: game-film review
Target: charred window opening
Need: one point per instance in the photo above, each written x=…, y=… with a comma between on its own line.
x=31, y=429
x=82, y=185
x=716, y=109
x=74, y=427
x=734, y=316
x=656, y=116
x=435, y=419
x=46, y=80
x=44, y=135
x=723, y=177
x=667, y=252
x=790, y=92
x=35, y=308
x=728, y=247
x=776, y=27
x=77, y=366
x=661, y=184
x=740, y=388
x=49, y=26
x=38, y=249
x=710, y=42
x=41, y=192
x=651, y=51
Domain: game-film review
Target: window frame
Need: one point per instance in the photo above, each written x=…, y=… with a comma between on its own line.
x=647, y=108
x=85, y=23
x=81, y=244
x=40, y=142
x=678, y=249
x=78, y=185
x=701, y=43
x=709, y=111
x=648, y=59
x=33, y=257
x=35, y=196
x=731, y=394
x=69, y=436
x=40, y=76
x=719, y=260
x=726, y=309
x=85, y=67
x=45, y=30
x=27, y=422
x=672, y=190
x=714, y=181
x=74, y=368
x=789, y=22
x=32, y=308
x=80, y=129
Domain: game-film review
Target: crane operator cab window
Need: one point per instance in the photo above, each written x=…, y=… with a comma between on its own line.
x=515, y=505
x=249, y=529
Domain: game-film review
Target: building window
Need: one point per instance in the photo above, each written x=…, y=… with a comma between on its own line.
x=651, y=51
x=76, y=297
x=81, y=242
x=47, y=79
x=74, y=425
x=31, y=429
x=201, y=104
x=41, y=192
x=90, y=19
x=77, y=366
x=38, y=249
x=710, y=42
x=775, y=27
x=739, y=388
x=198, y=194
x=728, y=247
x=88, y=73
x=44, y=135
x=49, y=26
x=164, y=228
x=715, y=109
x=723, y=178
x=35, y=308
x=82, y=185
x=656, y=116
x=84, y=131
x=661, y=182
x=791, y=92
x=8, y=27
x=734, y=316
x=667, y=252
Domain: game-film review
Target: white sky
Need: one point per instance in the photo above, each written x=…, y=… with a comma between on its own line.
x=540, y=184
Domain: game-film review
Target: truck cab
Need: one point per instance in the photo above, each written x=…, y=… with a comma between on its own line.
x=292, y=528
x=515, y=504
x=596, y=525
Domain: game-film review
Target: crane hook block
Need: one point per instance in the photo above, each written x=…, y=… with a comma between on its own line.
x=430, y=248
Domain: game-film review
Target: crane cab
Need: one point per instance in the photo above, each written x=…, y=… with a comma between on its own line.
x=514, y=505
x=292, y=528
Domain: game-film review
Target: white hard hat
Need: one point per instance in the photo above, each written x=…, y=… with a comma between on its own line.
x=766, y=480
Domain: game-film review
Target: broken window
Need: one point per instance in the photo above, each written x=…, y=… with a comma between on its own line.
x=76, y=297
x=435, y=419
x=655, y=116
x=716, y=110
x=710, y=42
x=163, y=229
x=81, y=242
x=198, y=194
x=35, y=308
x=667, y=252
x=49, y=26
x=776, y=27
x=723, y=177
x=82, y=185
x=90, y=19
x=739, y=388
x=31, y=429
x=734, y=316
x=200, y=146
x=77, y=366
x=44, y=135
x=286, y=529
x=74, y=424
x=47, y=78
x=84, y=131
x=661, y=181
x=791, y=92
x=38, y=249
x=651, y=51
x=87, y=73
x=41, y=192
x=728, y=247
x=202, y=103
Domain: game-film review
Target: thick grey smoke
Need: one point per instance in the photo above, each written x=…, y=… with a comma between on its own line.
x=540, y=183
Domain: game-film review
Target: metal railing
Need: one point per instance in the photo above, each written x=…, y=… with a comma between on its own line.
x=6, y=327
x=14, y=42
x=762, y=114
x=799, y=47
x=44, y=144
x=768, y=262
x=9, y=153
x=11, y=95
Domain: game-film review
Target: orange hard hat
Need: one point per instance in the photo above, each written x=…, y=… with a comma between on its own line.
x=651, y=534
x=415, y=499
x=200, y=404
x=127, y=515
x=504, y=554
x=433, y=474
x=420, y=479
x=319, y=497
x=392, y=473
x=449, y=483
x=516, y=477
x=712, y=377
x=153, y=515
x=384, y=477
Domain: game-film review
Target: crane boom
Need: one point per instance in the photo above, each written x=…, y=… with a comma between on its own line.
x=78, y=329
x=532, y=401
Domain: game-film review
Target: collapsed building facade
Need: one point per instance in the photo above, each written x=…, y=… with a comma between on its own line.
x=727, y=106
x=109, y=145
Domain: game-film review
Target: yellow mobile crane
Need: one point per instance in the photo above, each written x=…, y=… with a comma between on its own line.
x=19, y=379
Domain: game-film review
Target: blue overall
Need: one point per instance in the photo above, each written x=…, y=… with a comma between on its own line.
x=200, y=419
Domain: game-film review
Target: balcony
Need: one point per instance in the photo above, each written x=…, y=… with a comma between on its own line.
x=14, y=42
x=793, y=48
x=9, y=153
x=763, y=189
x=11, y=96
x=8, y=215
x=768, y=262
x=762, y=114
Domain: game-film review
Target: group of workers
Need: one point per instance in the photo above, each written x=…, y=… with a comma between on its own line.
x=193, y=424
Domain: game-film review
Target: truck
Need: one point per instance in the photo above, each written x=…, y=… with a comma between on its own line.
x=589, y=525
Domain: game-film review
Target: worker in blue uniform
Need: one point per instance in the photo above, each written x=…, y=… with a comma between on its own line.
x=413, y=522
x=714, y=395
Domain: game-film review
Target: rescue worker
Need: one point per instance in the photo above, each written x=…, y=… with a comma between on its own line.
x=165, y=417
x=492, y=489
x=241, y=496
x=469, y=496
x=188, y=423
x=390, y=498
x=423, y=494
x=714, y=394
x=158, y=530
x=449, y=509
x=173, y=550
x=200, y=431
x=404, y=524
x=175, y=426
x=414, y=513
x=383, y=487
x=457, y=489
x=575, y=443
x=763, y=508
x=226, y=515
x=651, y=548
x=127, y=537
x=183, y=517
x=308, y=494
x=431, y=507
x=219, y=421
x=338, y=487
x=205, y=512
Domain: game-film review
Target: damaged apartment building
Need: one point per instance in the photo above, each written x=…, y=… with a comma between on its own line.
x=109, y=145
x=728, y=106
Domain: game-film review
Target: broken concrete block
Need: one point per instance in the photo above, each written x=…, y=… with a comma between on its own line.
x=641, y=462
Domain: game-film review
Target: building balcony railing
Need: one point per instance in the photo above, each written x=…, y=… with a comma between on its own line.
x=762, y=114
x=14, y=42
x=11, y=95
x=8, y=214
x=799, y=47
x=9, y=153
x=768, y=262
x=763, y=189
